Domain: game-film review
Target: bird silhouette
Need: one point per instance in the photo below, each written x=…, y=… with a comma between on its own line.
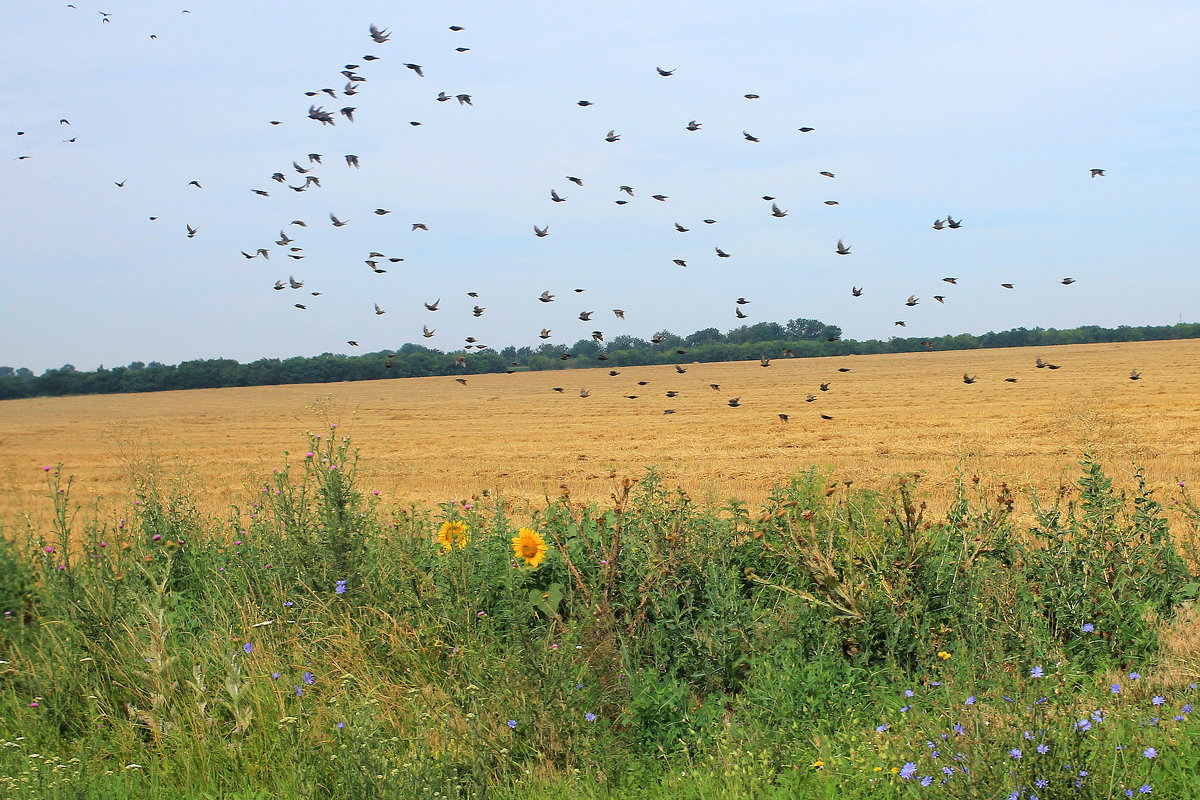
x=693, y=125
x=856, y=291
x=842, y=249
x=1135, y=375
x=420, y=226
x=434, y=305
x=352, y=161
x=749, y=138
x=951, y=280
x=828, y=174
x=721, y=253
x=556, y=198
x=968, y=378
x=680, y=369
x=1097, y=173
x=776, y=211
x=416, y=68
x=612, y=137
x=586, y=316
x=680, y=262
x=379, y=35
x=1067, y=281
x=576, y=181
x=912, y=300
x=665, y=72
x=619, y=313
x=734, y=402
x=938, y=225
x=463, y=99
x=681, y=229
x=541, y=232
x=337, y=223
x=783, y=417
x=546, y=297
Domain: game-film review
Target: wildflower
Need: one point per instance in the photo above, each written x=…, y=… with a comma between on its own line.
x=1084, y=725
x=248, y=648
x=909, y=692
x=1116, y=688
x=882, y=728
x=943, y=655
x=453, y=532
x=299, y=691
x=905, y=709
x=907, y=770
x=928, y=779
x=970, y=701
x=1144, y=789
x=49, y=549
x=1041, y=783
x=288, y=604
x=274, y=676
x=818, y=764
x=958, y=728
x=512, y=723
x=1133, y=676
x=1088, y=627
x=341, y=725
x=309, y=678
x=1042, y=749
x=1150, y=752
x=1157, y=700
x=1036, y=672
x=590, y=717
x=340, y=588
x=1015, y=752
x=1187, y=708
x=529, y=545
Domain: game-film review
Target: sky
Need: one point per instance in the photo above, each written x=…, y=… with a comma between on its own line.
x=991, y=113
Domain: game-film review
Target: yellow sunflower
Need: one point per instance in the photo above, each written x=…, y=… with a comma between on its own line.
x=454, y=532
x=529, y=545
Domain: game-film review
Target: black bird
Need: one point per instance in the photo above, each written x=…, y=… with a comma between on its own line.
x=968, y=378
x=734, y=402
x=1135, y=375
x=665, y=72
x=783, y=417
x=416, y=68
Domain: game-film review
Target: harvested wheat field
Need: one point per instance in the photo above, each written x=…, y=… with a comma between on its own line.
x=426, y=440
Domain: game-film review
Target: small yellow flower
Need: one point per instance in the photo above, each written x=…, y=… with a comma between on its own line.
x=529, y=545
x=454, y=532
x=879, y=769
x=818, y=764
x=943, y=655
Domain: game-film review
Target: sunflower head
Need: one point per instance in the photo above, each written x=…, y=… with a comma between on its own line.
x=453, y=532
x=530, y=546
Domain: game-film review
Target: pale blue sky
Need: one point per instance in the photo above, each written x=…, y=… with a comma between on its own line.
x=993, y=113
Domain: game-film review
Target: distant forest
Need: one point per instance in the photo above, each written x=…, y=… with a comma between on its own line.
x=802, y=338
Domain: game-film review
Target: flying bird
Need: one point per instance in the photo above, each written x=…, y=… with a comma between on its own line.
x=416, y=68
x=348, y=112
x=856, y=291
x=612, y=137
x=828, y=174
x=968, y=378
x=585, y=103
x=842, y=249
x=806, y=130
x=434, y=305
x=749, y=138
x=337, y=223
x=938, y=224
x=586, y=316
x=420, y=226
x=463, y=99
x=192, y=232
x=693, y=125
x=545, y=334
x=352, y=160
x=662, y=198
x=776, y=211
x=626, y=189
x=1067, y=281
x=951, y=280
x=619, y=313
x=680, y=262
x=721, y=253
x=426, y=332
x=352, y=343
x=556, y=198
x=681, y=229
x=541, y=232
x=576, y=181
x=379, y=36
x=1135, y=375
x=1097, y=173
x=912, y=300
x=734, y=402
x=379, y=310
x=546, y=297
x=665, y=72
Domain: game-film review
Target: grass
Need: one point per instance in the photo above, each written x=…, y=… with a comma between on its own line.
x=512, y=435
x=831, y=641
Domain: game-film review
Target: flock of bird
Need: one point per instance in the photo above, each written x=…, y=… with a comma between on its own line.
x=303, y=170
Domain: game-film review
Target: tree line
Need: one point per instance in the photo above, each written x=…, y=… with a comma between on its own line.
x=802, y=338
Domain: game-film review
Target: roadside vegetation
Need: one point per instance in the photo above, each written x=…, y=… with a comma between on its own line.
x=830, y=643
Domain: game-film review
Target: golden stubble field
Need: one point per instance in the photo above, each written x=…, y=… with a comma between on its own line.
x=426, y=440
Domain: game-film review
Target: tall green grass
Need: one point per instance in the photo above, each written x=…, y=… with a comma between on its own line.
x=319, y=642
